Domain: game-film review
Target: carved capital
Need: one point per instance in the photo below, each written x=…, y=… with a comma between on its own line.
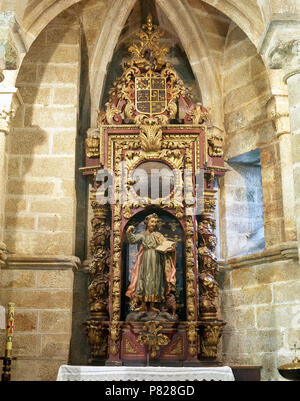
x=12, y=44
x=285, y=55
x=92, y=143
x=6, y=117
x=281, y=46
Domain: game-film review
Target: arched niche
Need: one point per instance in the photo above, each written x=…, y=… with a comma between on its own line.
x=172, y=229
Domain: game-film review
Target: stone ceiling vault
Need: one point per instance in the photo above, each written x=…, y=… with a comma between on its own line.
x=39, y=13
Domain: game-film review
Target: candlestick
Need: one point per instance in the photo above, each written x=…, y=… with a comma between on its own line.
x=10, y=329
x=8, y=349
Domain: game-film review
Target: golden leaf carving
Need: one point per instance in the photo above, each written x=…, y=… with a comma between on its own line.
x=151, y=138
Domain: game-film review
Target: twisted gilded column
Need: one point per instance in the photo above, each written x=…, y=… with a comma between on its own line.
x=98, y=290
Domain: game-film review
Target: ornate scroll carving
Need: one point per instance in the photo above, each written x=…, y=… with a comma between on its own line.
x=92, y=146
x=208, y=266
x=152, y=338
x=99, y=266
x=116, y=263
x=97, y=335
x=114, y=331
x=98, y=290
x=190, y=274
x=151, y=137
x=210, y=336
x=197, y=115
x=192, y=337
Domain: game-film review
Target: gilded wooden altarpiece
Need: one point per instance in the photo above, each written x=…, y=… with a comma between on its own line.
x=150, y=117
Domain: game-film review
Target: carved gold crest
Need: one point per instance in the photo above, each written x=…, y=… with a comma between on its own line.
x=150, y=94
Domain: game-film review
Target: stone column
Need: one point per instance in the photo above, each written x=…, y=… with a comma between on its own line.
x=11, y=48
x=10, y=100
x=279, y=202
x=281, y=47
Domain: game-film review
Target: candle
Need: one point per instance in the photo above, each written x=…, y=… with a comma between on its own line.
x=10, y=329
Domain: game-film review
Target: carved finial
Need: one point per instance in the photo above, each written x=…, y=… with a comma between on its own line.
x=149, y=25
x=148, y=48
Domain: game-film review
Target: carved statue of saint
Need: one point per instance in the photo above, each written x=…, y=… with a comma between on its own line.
x=154, y=274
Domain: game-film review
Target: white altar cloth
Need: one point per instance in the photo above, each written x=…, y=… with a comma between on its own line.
x=152, y=373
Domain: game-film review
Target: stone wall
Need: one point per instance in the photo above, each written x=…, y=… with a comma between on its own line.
x=43, y=221
x=260, y=299
x=246, y=89
x=43, y=299
x=40, y=204
x=260, y=302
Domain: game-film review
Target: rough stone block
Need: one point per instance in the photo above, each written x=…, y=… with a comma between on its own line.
x=239, y=75
x=53, y=54
x=241, y=51
x=21, y=187
x=277, y=272
x=55, y=346
x=54, y=322
x=286, y=292
x=55, y=279
x=14, y=166
x=61, y=35
x=50, y=117
x=37, y=299
x=237, y=319
x=20, y=222
x=257, y=65
x=40, y=243
x=35, y=95
x=57, y=74
x=17, y=279
x=66, y=96
x=25, y=344
x=50, y=167
x=28, y=73
x=246, y=93
x=47, y=370
x=244, y=277
x=277, y=316
x=26, y=321
x=30, y=141
x=59, y=206
x=56, y=223
x=15, y=205
x=64, y=143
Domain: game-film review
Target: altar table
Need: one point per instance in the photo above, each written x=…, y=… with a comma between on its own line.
x=128, y=373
